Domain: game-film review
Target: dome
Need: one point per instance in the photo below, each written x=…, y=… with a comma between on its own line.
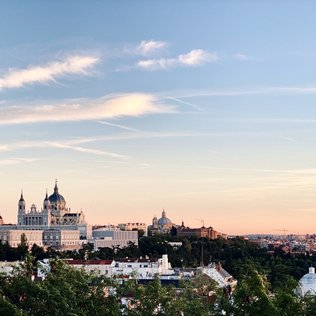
x=56, y=198
x=164, y=221
x=307, y=284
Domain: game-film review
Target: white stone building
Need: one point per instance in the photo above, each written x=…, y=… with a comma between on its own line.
x=216, y=272
x=66, y=227
x=62, y=239
x=104, y=237
x=13, y=237
x=142, y=268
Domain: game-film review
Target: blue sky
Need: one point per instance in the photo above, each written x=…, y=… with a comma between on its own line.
x=204, y=109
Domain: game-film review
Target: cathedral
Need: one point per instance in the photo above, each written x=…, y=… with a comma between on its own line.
x=53, y=213
x=52, y=216
x=162, y=225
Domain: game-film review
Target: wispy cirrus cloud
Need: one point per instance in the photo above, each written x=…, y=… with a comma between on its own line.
x=118, y=126
x=149, y=47
x=78, y=143
x=195, y=57
x=15, y=161
x=303, y=171
x=86, y=150
x=65, y=144
x=135, y=104
x=78, y=64
x=242, y=57
x=265, y=90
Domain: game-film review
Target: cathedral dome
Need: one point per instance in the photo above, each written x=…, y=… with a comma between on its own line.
x=164, y=221
x=307, y=284
x=56, y=198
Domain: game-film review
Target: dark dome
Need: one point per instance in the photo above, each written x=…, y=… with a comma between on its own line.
x=57, y=198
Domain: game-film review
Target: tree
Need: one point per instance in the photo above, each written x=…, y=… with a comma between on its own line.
x=23, y=247
x=252, y=296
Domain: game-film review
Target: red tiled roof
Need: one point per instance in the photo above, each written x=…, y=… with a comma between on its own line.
x=90, y=262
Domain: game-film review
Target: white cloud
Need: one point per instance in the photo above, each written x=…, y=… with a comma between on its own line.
x=195, y=57
x=242, y=57
x=149, y=47
x=153, y=64
x=77, y=64
x=136, y=104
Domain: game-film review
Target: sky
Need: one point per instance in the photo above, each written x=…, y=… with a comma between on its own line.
x=205, y=109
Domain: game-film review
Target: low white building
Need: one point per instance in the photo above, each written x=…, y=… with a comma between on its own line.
x=216, y=272
x=142, y=268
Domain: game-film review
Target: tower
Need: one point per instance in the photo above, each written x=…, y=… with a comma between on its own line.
x=155, y=223
x=46, y=211
x=21, y=209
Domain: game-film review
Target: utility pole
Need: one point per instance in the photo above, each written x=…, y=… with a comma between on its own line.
x=202, y=245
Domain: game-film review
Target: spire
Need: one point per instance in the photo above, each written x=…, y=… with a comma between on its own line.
x=21, y=198
x=163, y=213
x=56, y=187
x=46, y=196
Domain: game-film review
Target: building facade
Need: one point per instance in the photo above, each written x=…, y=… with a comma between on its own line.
x=13, y=237
x=201, y=232
x=133, y=226
x=104, y=237
x=53, y=224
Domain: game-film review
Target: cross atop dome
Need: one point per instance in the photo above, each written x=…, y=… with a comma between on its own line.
x=56, y=187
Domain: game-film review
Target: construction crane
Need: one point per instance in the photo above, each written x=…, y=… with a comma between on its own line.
x=282, y=230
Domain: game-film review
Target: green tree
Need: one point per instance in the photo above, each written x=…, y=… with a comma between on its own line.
x=252, y=296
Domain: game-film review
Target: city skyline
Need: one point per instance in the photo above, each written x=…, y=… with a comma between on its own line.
x=205, y=110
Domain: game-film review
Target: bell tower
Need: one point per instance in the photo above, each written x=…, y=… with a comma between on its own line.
x=21, y=210
x=46, y=211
